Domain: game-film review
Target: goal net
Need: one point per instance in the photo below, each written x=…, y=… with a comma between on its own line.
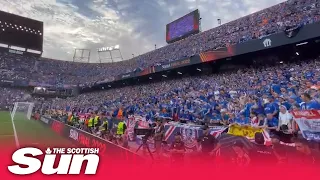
x=22, y=110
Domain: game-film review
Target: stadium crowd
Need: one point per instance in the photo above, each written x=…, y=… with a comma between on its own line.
x=218, y=97
x=10, y=96
x=244, y=96
x=275, y=19
x=258, y=97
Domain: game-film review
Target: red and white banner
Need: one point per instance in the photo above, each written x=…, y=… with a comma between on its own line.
x=309, y=123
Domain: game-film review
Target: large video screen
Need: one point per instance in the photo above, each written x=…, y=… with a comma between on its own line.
x=20, y=31
x=183, y=27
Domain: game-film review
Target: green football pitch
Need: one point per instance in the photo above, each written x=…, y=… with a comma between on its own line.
x=27, y=132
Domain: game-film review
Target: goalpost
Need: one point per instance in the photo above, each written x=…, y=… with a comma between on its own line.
x=22, y=110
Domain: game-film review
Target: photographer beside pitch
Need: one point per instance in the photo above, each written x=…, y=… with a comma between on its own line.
x=158, y=137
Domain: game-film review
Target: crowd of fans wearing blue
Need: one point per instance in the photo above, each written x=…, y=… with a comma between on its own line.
x=242, y=96
x=217, y=99
x=263, y=23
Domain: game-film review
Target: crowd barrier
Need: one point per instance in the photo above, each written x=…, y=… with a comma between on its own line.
x=84, y=139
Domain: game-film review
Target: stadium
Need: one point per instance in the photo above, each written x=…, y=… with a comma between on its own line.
x=252, y=85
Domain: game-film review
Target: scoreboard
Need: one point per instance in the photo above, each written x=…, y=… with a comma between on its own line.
x=21, y=31
x=183, y=27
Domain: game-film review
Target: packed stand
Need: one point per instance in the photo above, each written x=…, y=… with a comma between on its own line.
x=258, y=97
x=263, y=23
x=246, y=96
x=9, y=96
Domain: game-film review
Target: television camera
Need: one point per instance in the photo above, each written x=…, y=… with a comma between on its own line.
x=145, y=133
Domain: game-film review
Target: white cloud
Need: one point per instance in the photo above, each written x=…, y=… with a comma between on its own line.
x=135, y=25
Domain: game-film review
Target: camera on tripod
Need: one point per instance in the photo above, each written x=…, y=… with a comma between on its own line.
x=144, y=132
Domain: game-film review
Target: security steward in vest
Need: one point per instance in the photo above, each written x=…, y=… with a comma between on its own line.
x=96, y=122
x=121, y=129
x=208, y=143
x=91, y=123
x=75, y=121
x=104, y=127
x=70, y=120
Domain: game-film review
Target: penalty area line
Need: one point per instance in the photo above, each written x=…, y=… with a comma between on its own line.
x=6, y=135
x=5, y=122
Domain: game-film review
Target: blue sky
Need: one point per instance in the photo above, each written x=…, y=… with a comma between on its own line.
x=136, y=25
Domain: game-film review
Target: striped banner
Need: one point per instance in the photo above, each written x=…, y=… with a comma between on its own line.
x=309, y=123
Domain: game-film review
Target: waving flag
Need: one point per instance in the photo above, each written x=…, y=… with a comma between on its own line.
x=309, y=123
x=216, y=131
x=190, y=134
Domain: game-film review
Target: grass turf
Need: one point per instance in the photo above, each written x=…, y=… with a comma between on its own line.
x=29, y=132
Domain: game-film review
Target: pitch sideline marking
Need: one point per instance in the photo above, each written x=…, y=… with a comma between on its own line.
x=15, y=133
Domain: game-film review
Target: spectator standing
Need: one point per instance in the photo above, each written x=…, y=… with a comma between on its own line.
x=177, y=150
x=260, y=154
x=278, y=150
x=307, y=156
x=285, y=120
x=242, y=158
x=285, y=126
x=309, y=103
x=209, y=144
x=158, y=137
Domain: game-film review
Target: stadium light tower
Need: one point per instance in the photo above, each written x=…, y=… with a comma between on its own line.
x=81, y=55
x=109, y=50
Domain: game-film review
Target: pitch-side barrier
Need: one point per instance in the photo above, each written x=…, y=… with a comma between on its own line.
x=85, y=139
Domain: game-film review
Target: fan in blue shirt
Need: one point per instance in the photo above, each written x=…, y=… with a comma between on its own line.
x=271, y=107
x=276, y=88
x=189, y=116
x=272, y=122
x=257, y=107
x=265, y=88
x=283, y=102
x=246, y=110
x=309, y=103
x=242, y=119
